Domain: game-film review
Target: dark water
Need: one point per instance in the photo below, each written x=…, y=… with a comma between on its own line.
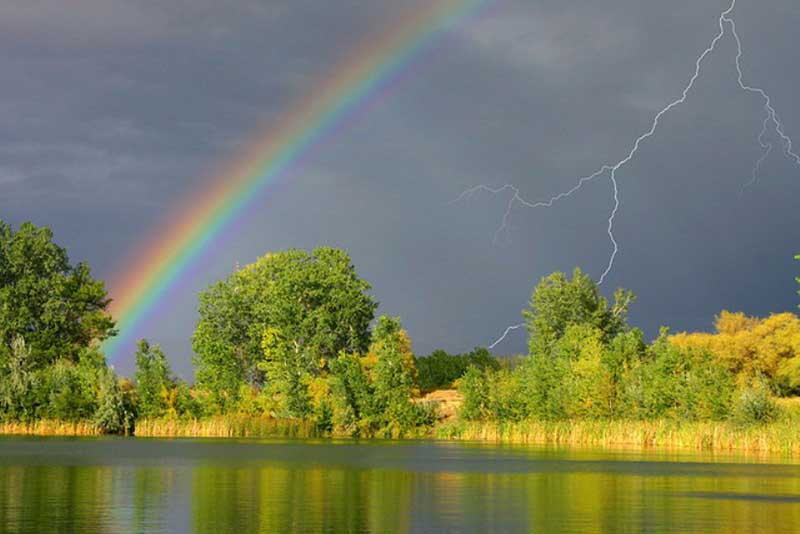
x=208, y=486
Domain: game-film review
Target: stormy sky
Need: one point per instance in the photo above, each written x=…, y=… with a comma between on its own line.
x=112, y=111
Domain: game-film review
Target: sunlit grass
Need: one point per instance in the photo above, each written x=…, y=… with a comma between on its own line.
x=47, y=427
x=227, y=426
x=780, y=436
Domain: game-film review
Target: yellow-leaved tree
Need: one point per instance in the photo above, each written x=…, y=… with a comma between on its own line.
x=751, y=347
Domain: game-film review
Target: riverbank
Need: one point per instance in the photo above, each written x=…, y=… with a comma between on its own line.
x=780, y=437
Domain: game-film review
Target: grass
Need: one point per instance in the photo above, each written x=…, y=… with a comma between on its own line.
x=48, y=427
x=228, y=426
x=781, y=436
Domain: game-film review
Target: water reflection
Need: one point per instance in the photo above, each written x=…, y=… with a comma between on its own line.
x=93, y=486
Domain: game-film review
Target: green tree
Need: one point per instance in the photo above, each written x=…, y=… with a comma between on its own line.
x=116, y=411
x=58, y=307
x=679, y=383
x=154, y=380
x=373, y=394
x=315, y=301
x=440, y=370
x=287, y=372
x=354, y=411
x=16, y=382
x=558, y=302
x=474, y=387
x=394, y=376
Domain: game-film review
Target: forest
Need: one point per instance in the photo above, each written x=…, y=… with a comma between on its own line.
x=291, y=345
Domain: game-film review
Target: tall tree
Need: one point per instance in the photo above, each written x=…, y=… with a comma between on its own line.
x=315, y=304
x=58, y=308
x=558, y=303
x=154, y=380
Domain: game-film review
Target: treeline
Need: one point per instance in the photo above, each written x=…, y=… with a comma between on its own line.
x=294, y=337
x=52, y=320
x=586, y=362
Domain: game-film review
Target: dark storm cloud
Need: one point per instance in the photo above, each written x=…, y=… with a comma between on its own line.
x=110, y=111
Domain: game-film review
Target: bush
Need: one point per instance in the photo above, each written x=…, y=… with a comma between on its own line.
x=473, y=387
x=506, y=400
x=116, y=411
x=754, y=404
x=677, y=383
x=440, y=370
x=67, y=391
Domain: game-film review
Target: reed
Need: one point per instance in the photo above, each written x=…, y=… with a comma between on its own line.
x=782, y=436
x=227, y=426
x=48, y=427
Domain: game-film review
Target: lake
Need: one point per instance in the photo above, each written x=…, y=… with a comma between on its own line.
x=209, y=486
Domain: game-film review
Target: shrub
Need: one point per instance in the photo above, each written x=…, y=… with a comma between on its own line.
x=440, y=370
x=116, y=411
x=473, y=387
x=677, y=383
x=754, y=404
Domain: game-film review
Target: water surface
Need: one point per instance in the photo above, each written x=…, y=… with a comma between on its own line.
x=108, y=485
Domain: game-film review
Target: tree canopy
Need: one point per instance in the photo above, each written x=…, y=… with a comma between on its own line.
x=58, y=308
x=558, y=303
x=314, y=305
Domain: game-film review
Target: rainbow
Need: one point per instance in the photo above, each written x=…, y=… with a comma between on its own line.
x=162, y=260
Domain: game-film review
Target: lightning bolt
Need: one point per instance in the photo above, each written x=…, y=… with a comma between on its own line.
x=771, y=120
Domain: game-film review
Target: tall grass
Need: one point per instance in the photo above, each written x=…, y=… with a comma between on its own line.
x=47, y=427
x=227, y=426
x=779, y=436
x=782, y=436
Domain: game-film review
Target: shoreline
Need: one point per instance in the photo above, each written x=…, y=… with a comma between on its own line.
x=780, y=437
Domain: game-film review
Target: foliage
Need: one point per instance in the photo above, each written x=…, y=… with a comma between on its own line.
x=159, y=392
x=354, y=409
x=372, y=395
x=749, y=347
x=754, y=404
x=57, y=307
x=678, y=383
x=440, y=370
x=316, y=303
x=287, y=370
x=16, y=381
x=69, y=391
x=116, y=410
x=557, y=303
x=586, y=363
x=154, y=380
x=473, y=386
x=393, y=376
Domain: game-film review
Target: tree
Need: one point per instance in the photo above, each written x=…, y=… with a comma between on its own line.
x=440, y=370
x=558, y=303
x=154, y=380
x=16, y=383
x=287, y=373
x=57, y=307
x=394, y=375
x=115, y=412
x=750, y=347
x=372, y=394
x=315, y=302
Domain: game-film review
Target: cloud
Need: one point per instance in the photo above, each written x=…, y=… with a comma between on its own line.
x=551, y=38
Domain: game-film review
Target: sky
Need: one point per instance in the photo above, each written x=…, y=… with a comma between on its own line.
x=112, y=112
